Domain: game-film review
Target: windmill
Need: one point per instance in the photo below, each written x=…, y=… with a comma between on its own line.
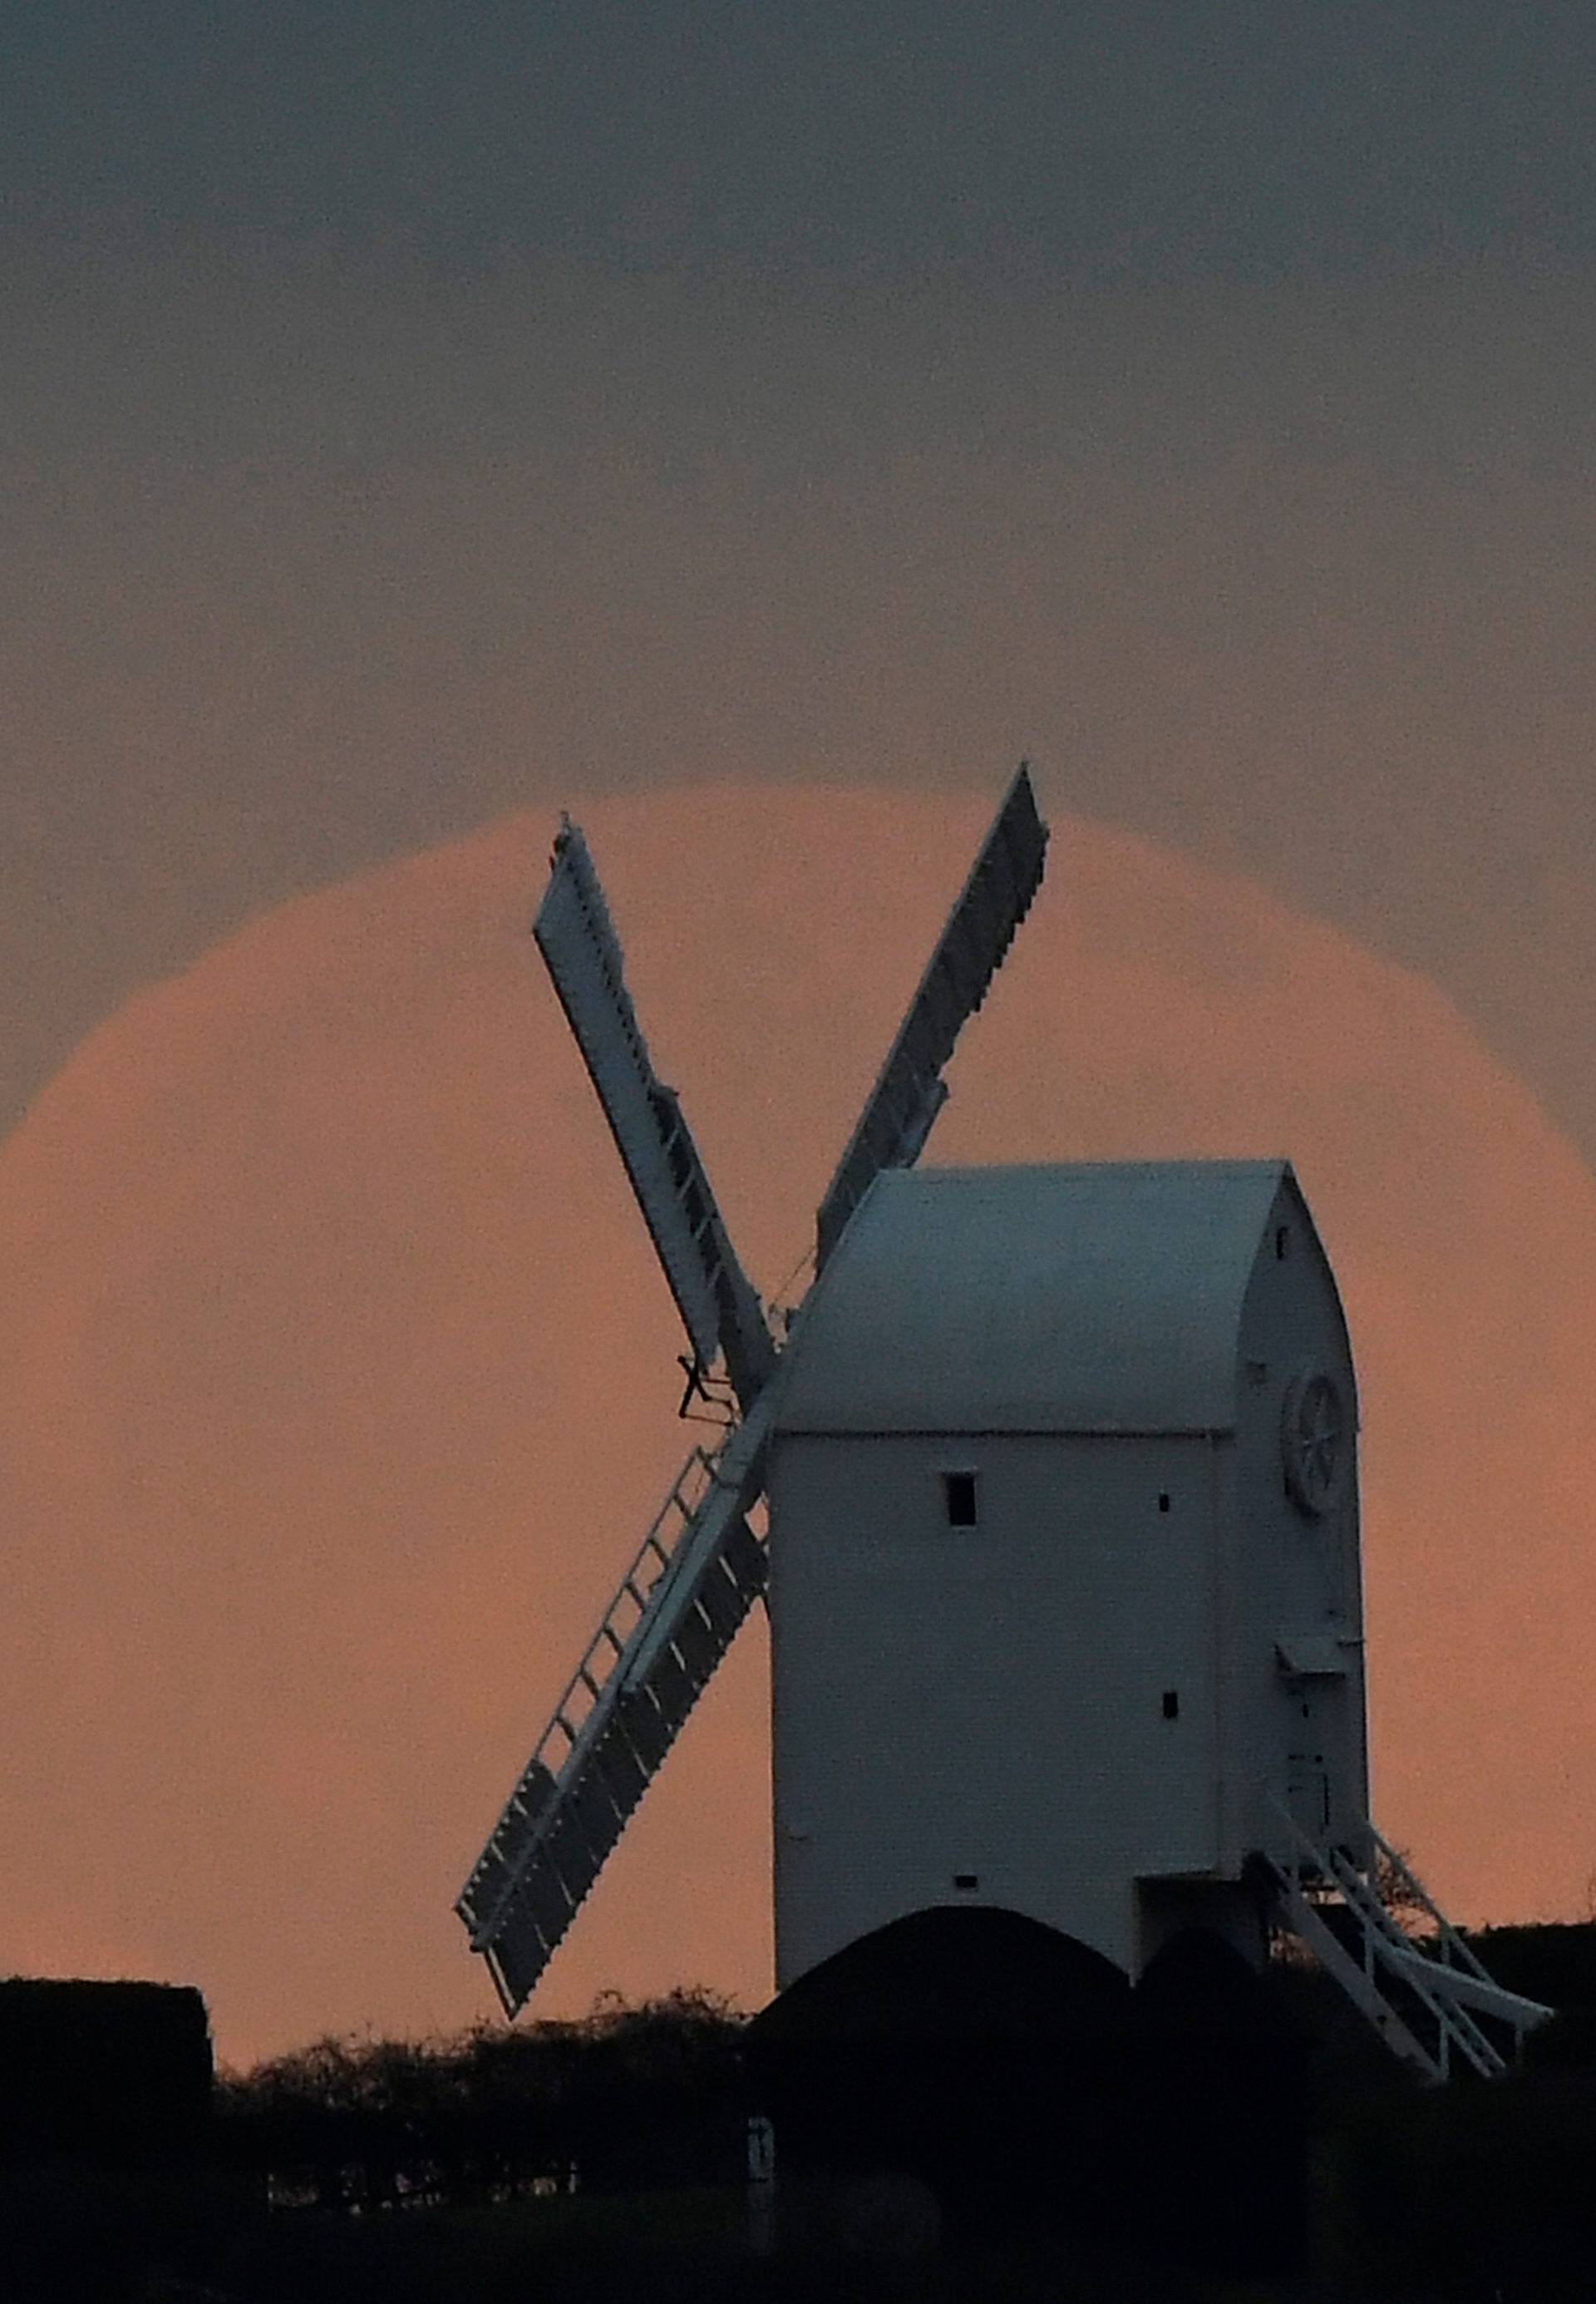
x=1056, y=1464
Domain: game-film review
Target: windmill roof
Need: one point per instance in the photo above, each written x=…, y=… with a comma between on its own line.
x=1091, y=1297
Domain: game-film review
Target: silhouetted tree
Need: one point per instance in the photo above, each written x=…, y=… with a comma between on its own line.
x=627, y=2095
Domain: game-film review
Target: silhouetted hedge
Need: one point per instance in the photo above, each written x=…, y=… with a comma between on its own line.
x=1552, y=1960
x=626, y=2096
x=1457, y=2193
x=1479, y=2190
x=118, y=2072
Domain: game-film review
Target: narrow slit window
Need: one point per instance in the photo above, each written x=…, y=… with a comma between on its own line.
x=1164, y=1500
x=1282, y=1242
x=1171, y=1704
x=958, y=1499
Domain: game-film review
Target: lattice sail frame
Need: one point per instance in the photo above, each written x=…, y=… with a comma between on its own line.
x=698, y=1572
x=701, y=1565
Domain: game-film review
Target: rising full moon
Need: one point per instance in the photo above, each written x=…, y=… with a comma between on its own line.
x=341, y=1382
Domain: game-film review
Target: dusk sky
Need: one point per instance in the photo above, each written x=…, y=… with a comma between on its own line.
x=415, y=419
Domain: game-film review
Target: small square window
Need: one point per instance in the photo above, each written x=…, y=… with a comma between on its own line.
x=958, y=1499
x=967, y=1880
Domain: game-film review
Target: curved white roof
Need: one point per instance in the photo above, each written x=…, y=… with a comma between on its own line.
x=1085, y=1297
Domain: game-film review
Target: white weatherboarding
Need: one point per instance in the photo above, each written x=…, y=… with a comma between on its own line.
x=1050, y=1485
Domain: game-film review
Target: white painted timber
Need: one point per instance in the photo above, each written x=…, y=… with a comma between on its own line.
x=1093, y=1705
x=1334, y=1907
x=987, y=1703
x=909, y=1094
x=1089, y=1298
x=582, y=953
x=678, y=1608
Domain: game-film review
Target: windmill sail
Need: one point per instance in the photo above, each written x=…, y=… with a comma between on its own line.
x=695, y=1575
x=718, y=1306
x=701, y=1564
x=910, y=1093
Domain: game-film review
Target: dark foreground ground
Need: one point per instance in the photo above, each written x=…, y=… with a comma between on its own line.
x=676, y=2248
x=1473, y=2194
x=1479, y=2196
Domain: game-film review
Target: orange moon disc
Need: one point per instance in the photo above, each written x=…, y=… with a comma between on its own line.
x=341, y=1381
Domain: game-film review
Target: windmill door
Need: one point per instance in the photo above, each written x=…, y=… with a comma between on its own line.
x=1308, y=1781
x=1316, y=1705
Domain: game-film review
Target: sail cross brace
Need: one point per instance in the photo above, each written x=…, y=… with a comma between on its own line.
x=701, y=1565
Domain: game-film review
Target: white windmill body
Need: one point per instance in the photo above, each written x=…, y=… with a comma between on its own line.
x=1064, y=1602
x=1061, y=1552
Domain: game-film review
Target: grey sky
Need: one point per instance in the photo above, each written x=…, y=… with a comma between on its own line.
x=1254, y=136
x=410, y=411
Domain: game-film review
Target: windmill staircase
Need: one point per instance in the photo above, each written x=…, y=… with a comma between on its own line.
x=1430, y=1999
